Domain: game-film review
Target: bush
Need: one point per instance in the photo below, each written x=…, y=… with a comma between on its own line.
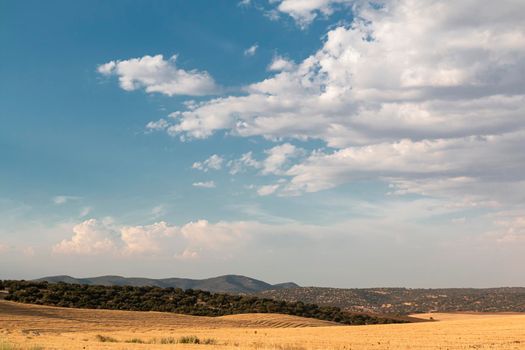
x=106, y=339
x=189, y=340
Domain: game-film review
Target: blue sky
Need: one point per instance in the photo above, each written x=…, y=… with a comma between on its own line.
x=331, y=143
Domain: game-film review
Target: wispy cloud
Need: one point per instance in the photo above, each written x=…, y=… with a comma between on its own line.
x=59, y=200
x=206, y=184
x=214, y=162
x=251, y=50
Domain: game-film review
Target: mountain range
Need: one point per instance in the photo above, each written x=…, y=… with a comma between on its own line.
x=220, y=284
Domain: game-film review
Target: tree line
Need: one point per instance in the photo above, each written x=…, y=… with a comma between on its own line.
x=189, y=302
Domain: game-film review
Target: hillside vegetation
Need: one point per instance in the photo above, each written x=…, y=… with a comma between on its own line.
x=191, y=302
x=402, y=301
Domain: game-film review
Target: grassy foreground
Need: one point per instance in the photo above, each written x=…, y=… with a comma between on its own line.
x=64, y=328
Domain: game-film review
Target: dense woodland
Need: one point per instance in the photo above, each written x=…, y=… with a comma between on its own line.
x=191, y=302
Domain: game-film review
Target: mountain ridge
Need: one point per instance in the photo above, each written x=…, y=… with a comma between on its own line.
x=218, y=284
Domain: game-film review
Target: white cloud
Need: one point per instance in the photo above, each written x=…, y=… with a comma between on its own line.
x=407, y=163
x=305, y=11
x=214, y=162
x=267, y=190
x=205, y=184
x=146, y=239
x=94, y=237
x=416, y=95
x=59, y=200
x=160, y=124
x=251, y=50
x=280, y=63
x=240, y=165
x=155, y=74
x=443, y=79
x=91, y=237
x=278, y=156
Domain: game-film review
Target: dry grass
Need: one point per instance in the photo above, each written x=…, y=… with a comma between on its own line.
x=58, y=328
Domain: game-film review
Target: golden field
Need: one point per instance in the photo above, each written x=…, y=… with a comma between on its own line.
x=42, y=327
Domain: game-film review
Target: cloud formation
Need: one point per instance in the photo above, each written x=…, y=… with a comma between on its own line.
x=59, y=200
x=155, y=74
x=408, y=94
x=251, y=50
x=94, y=237
x=304, y=12
x=214, y=162
x=205, y=184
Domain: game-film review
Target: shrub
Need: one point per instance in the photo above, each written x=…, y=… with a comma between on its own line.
x=189, y=340
x=106, y=339
x=136, y=341
x=169, y=340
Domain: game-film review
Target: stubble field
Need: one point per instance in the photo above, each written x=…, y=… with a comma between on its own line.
x=42, y=327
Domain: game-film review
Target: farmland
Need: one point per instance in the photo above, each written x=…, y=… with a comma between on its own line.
x=44, y=327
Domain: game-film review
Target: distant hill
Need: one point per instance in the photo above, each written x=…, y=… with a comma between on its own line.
x=404, y=301
x=220, y=284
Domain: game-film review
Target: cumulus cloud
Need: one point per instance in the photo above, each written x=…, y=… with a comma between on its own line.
x=94, y=237
x=305, y=11
x=251, y=50
x=280, y=63
x=205, y=184
x=408, y=94
x=146, y=239
x=91, y=237
x=214, y=162
x=278, y=156
x=155, y=74
x=443, y=78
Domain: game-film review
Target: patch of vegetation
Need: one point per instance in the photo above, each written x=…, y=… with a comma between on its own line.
x=106, y=339
x=404, y=301
x=190, y=302
x=195, y=340
x=135, y=341
x=168, y=340
x=8, y=346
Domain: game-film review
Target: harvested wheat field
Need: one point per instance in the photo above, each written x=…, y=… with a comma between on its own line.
x=42, y=327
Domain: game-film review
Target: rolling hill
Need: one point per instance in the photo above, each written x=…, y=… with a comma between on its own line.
x=220, y=284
